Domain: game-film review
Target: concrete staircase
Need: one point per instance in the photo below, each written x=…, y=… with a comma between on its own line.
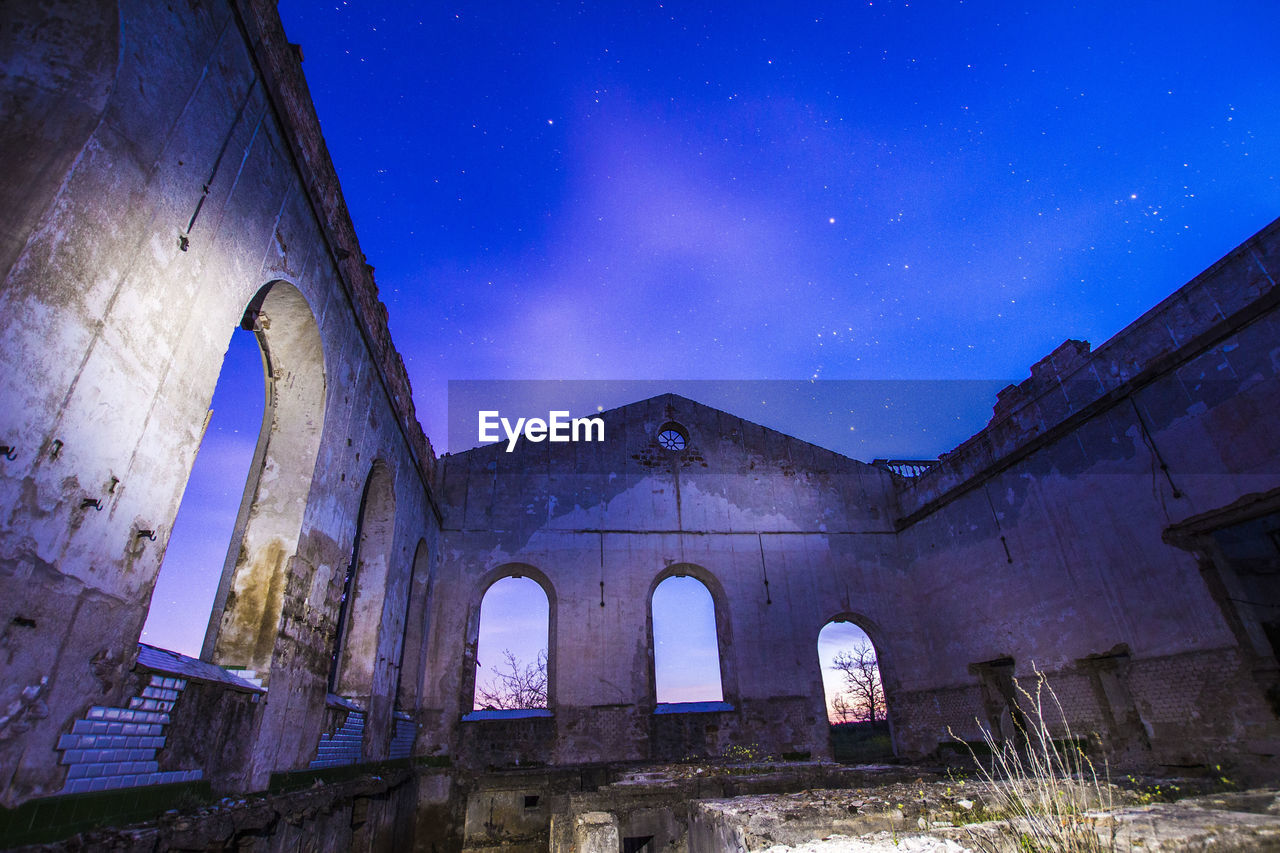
x=343, y=746
x=116, y=747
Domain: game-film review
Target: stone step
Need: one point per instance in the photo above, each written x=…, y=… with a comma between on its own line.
x=104, y=727
x=106, y=756
x=168, y=682
x=101, y=741
x=130, y=780
x=138, y=703
x=111, y=768
x=126, y=715
x=248, y=675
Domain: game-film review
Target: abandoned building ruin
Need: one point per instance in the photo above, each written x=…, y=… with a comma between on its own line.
x=1116, y=525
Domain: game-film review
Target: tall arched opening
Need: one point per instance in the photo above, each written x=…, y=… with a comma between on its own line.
x=246, y=613
x=203, y=531
x=856, y=703
x=364, y=588
x=417, y=614
x=514, y=668
x=689, y=639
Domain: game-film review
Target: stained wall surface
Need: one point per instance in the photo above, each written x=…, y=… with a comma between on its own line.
x=169, y=183
x=1075, y=534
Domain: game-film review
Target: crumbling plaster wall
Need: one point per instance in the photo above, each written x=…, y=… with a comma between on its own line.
x=740, y=505
x=1082, y=470
x=190, y=174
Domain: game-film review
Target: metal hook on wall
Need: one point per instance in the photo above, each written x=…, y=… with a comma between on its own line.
x=147, y=534
x=8, y=452
x=91, y=502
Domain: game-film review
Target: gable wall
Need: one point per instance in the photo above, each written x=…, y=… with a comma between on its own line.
x=741, y=504
x=1041, y=541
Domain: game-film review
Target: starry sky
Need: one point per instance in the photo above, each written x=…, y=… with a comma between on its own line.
x=749, y=191
x=754, y=196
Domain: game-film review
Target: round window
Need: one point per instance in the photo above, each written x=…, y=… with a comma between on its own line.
x=672, y=437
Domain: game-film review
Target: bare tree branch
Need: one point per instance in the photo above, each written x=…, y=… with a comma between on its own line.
x=863, y=696
x=840, y=708
x=511, y=686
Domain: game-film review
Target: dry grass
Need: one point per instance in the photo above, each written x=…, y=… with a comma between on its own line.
x=1045, y=787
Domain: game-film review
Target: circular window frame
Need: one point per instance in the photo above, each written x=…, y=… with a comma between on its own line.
x=672, y=437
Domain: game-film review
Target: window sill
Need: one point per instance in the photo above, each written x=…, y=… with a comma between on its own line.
x=691, y=707
x=513, y=714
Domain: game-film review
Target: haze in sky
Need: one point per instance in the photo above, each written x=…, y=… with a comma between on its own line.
x=728, y=191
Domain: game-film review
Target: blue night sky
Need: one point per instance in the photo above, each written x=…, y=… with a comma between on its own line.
x=879, y=190
x=741, y=191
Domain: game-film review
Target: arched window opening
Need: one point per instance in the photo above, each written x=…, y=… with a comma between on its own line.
x=364, y=585
x=855, y=697
x=511, y=652
x=686, y=649
x=245, y=620
x=196, y=551
x=417, y=610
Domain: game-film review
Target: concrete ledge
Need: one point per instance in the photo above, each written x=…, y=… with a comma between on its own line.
x=511, y=714
x=191, y=669
x=691, y=707
x=333, y=700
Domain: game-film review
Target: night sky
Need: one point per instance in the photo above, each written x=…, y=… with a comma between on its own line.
x=742, y=192
x=879, y=190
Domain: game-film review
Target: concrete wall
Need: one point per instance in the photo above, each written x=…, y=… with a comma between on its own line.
x=1083, y=470
x=170, y=183
x=785, y=535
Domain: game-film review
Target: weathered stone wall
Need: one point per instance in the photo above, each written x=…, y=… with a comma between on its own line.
x=1043, y=538
x=169, y=181
x=785, y=535
x=212, y=729
x=367, y=813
